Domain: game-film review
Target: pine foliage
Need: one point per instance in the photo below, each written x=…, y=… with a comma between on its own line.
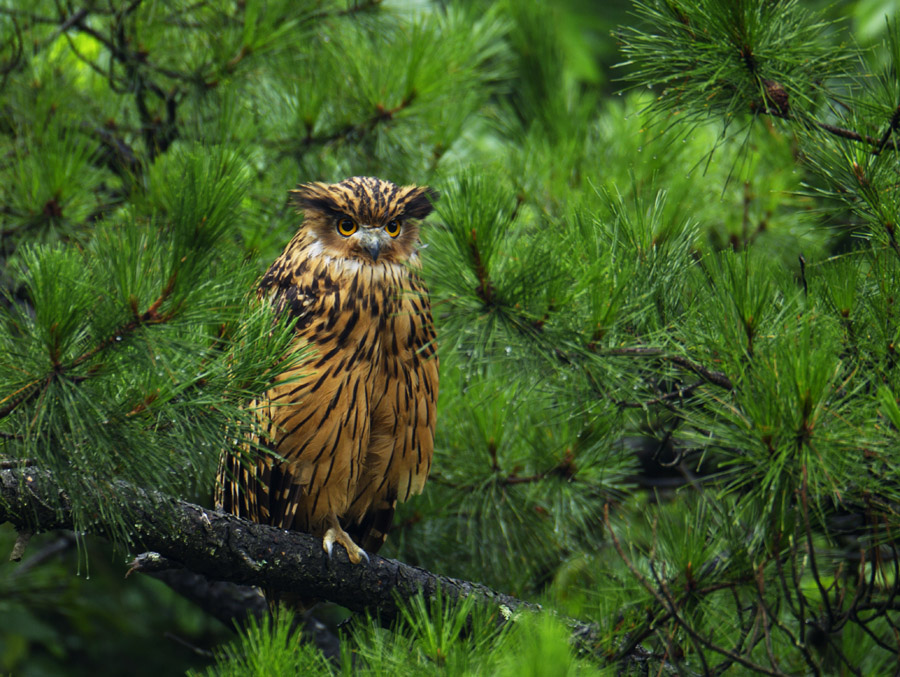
x=667, y=319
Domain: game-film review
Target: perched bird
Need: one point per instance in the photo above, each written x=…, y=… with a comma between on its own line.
x=354, y=422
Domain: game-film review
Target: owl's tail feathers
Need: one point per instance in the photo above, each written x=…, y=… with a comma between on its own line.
x=372, y=530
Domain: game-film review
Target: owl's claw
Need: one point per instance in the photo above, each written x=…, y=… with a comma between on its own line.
x=338, y=535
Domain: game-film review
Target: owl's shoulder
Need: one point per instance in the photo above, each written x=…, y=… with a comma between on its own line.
x=293, y=284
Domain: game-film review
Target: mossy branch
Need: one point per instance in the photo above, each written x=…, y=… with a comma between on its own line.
x=226, y=548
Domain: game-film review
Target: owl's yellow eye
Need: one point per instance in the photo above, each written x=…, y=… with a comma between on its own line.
x=392, y=228
x=346, y=227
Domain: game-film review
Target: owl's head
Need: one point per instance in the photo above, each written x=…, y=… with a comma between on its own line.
x=364, y=218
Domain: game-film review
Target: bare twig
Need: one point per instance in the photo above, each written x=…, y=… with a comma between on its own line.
x=661, y=599
x=814, y=568
x=678, y=394
x=19, y=546
x=59, y=545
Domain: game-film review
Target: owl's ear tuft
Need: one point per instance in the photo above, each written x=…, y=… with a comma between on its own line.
x=315, y=197
x=420, y=203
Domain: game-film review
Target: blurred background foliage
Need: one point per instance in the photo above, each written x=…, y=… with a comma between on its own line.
x=660, y=283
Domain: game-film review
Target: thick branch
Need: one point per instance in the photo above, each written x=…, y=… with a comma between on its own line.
x=226, y=548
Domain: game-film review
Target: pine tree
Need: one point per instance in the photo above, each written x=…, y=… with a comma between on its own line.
x=667, y=319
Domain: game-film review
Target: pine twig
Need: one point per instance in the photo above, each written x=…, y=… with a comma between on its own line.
x=714, y=377
x=670, y=607
x=878, y=144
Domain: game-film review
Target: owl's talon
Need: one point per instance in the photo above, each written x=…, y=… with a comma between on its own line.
x=338, y=535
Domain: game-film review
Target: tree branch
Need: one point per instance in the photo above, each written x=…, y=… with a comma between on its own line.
x=223, y=547
x=230, y=603
x=226, y=548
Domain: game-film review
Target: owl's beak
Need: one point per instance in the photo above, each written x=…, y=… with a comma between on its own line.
x=371, y=241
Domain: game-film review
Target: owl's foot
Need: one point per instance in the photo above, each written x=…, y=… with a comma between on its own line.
x=337, y=535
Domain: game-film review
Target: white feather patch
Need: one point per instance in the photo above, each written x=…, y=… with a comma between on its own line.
x=314, y=250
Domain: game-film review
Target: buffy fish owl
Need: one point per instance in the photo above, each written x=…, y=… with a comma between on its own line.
x=354, y=424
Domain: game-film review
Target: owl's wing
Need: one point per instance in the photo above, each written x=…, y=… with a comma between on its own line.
x=314, y=417
x=258, y=489
x=318, y=424
x=421, y=382
x=250, y=484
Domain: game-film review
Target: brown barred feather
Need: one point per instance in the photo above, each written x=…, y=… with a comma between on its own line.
x=355, y=421
x=372, y=531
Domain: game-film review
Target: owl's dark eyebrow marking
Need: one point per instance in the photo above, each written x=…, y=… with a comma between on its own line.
x=420, y=205
x=322, y=204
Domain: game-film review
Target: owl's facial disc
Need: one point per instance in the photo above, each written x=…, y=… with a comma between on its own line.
x=371, y=240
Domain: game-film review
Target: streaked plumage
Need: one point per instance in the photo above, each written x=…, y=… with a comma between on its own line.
x=356, y=429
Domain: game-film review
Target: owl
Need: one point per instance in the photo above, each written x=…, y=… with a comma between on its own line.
x=351, y=427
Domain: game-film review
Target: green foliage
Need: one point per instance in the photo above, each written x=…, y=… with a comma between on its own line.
x=271, y=646
x=55, y=179
x=667, y=320
x=433, y=637
x=121, y=343
x=729, y=59
x=50, y=617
